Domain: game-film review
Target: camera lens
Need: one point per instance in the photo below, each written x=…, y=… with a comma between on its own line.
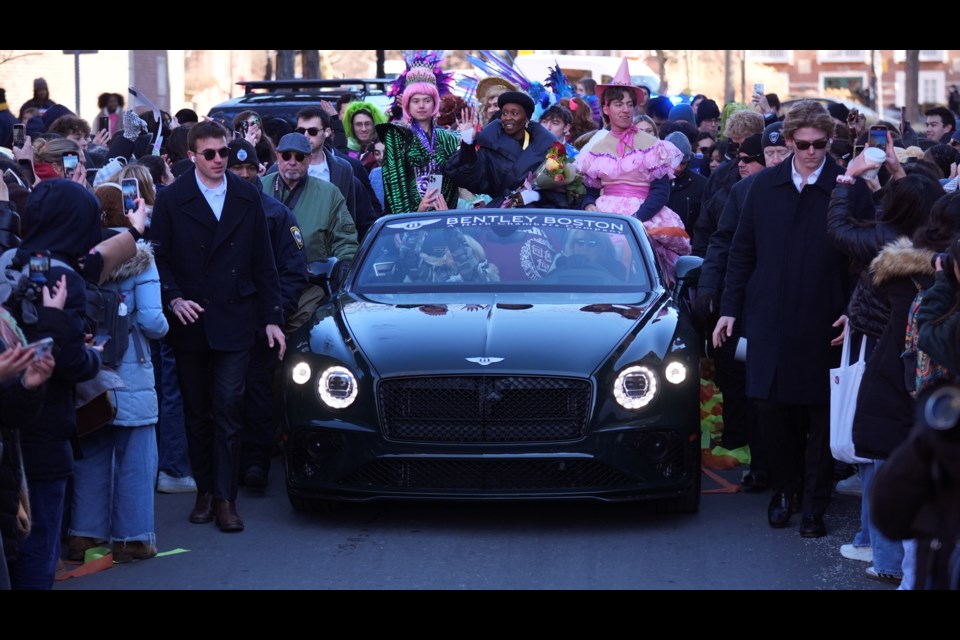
x=942, y=408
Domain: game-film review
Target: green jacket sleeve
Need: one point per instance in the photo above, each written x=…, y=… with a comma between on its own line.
x=342, y=231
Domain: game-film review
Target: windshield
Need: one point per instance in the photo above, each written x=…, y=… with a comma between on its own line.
x=463, y=251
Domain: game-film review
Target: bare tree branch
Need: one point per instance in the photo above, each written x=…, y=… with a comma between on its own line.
x=8, y=55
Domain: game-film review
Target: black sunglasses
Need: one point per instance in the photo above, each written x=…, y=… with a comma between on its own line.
x=286, y=155
x=210, y=154
x=749, y=159
x=312, y=131
x=803, y=145
x=585, y=243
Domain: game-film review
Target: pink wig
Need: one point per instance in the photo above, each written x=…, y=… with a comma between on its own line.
x=424, y=88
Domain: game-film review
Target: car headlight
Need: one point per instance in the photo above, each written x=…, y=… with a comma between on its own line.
x=675, y=373
x=337, y=387
x=635, y=387
x=300, y=373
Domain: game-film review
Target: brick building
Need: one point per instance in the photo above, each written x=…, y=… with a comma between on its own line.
x=868, y=76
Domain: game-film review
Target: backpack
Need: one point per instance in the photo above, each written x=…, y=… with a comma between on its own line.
x=105, y=313
x=919, y=369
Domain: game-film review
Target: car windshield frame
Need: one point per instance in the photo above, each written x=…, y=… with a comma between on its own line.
x=531, y=250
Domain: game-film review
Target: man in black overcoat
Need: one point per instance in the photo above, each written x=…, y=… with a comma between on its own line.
x=219, y=284
x=788, y=286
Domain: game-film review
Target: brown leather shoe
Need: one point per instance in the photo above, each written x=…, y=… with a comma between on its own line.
x=124, y=552
x=203, y=510
x=227, y=517
x=77, y=547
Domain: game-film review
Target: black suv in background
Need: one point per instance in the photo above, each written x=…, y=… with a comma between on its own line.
x=284, y=98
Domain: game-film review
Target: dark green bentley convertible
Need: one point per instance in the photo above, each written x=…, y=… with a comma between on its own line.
x=497, y=355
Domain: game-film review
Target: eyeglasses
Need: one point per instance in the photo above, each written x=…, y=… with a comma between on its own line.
x=585, y=243
x=749, y=159
x=286, y=155
x=312, y=131
x=803, y=145
x=210, y=154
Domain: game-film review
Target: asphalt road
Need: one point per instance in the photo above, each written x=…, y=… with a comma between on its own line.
x=451, y=546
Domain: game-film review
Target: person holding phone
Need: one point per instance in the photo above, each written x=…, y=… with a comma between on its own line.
x=65, y=220
x=123, y=455
x=111, y=108
x=416, y=150
x=59, y=158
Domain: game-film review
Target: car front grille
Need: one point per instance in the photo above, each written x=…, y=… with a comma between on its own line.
x=484, y=409
x=487, y=475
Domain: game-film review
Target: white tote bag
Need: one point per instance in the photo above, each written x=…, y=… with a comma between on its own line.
x=844, y=386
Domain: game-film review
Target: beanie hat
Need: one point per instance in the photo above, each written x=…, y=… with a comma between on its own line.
x=681, y=142
x=242, y=152
x=682, y=112
x=752, y=146
x=773, y=136
x=707, y=110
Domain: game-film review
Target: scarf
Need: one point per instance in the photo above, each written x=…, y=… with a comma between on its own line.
x=625, y=138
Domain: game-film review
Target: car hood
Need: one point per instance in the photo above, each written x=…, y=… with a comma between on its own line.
x=491, y=336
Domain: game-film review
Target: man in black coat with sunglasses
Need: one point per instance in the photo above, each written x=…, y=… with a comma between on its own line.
x=219, y=284
x=787, y=286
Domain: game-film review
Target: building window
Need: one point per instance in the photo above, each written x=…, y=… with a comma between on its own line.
x=931, y=87
x=849, y=85
x=926, y=55
x=843, y=55
x=770, y=56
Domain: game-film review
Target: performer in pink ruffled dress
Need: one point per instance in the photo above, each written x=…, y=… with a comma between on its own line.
x=633, y=170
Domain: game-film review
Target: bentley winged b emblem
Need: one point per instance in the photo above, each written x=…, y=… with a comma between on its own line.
x=483, y=361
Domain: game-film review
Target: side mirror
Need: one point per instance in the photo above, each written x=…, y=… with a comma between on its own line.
x=322, y=274
x=688, y=274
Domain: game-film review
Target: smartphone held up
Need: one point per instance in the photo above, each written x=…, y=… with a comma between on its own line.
x=878, y=137
x=70, y=162
x=131, y=191
x=19, y=135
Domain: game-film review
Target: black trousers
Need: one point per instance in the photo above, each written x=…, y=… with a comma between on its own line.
x=261, y=412
x=212, y=383
x=798, y=441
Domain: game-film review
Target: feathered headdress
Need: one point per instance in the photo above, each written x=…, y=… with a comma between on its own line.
x=544, y=95
x=557, y=83
x=423, y=65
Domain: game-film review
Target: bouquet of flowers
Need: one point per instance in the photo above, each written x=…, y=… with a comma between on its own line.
x=558, y=172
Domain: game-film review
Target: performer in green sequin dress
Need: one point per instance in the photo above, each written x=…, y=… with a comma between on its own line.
x=416, y=150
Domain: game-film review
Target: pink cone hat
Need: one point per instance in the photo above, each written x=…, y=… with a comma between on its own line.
x=621, y=79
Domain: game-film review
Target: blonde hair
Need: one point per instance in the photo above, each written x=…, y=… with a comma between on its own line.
x=144, y=181
x=743, y=124
x=51, y=151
